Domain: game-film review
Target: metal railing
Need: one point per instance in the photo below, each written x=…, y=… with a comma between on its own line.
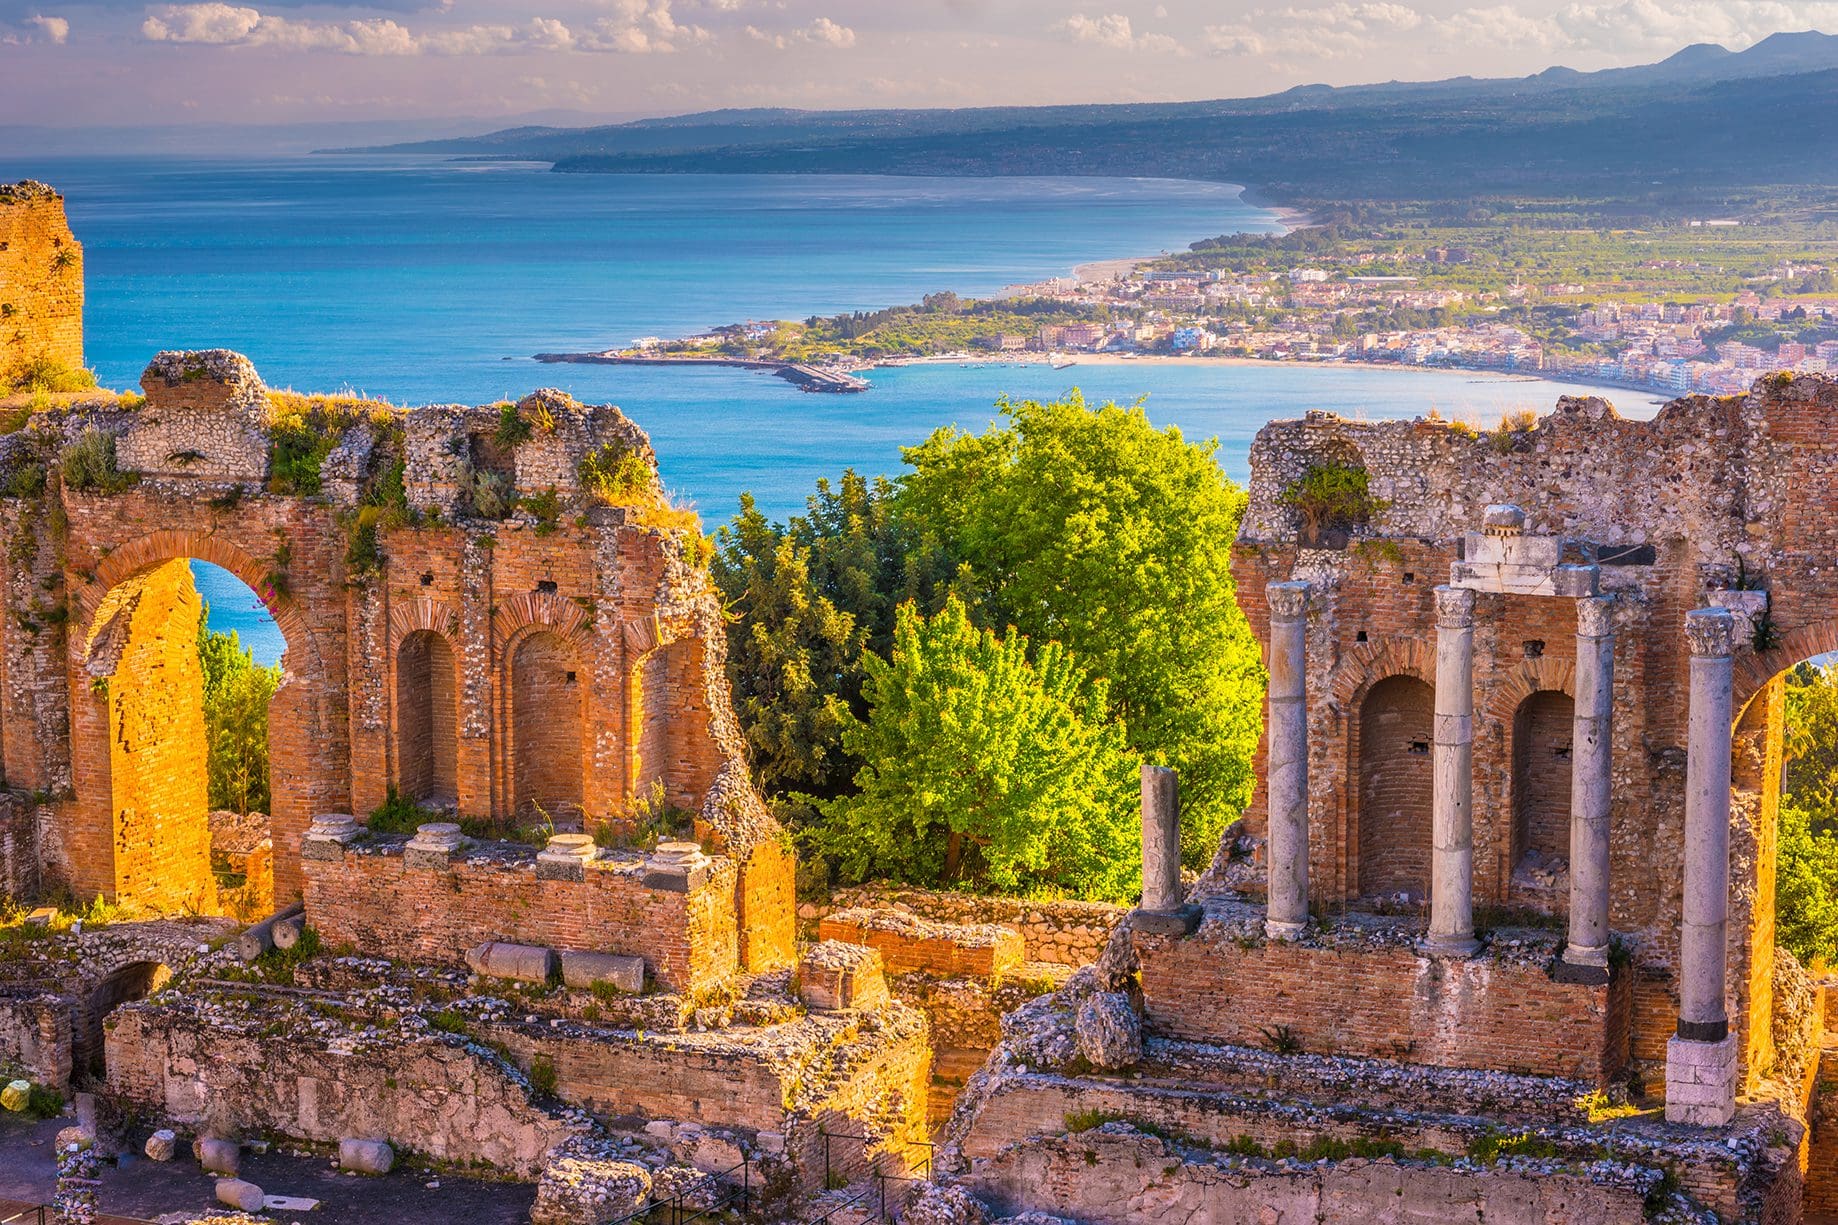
x=40, y=1215
x=875, y=1189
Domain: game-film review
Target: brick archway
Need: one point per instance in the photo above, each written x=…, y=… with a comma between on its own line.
x=138, y=743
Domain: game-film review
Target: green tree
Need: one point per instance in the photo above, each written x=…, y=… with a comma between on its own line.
x=812, y=597
x=1806, y=887
x=236, y=695
x=985, y=768
x=1091, y=528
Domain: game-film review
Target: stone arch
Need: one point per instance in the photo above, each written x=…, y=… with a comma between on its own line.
x=1754, y=670
x=427, y=718
x=123, y=984
x=156, y=548
x=545, y=698
x=1393, y=730
x=1541, y=746
x=138, y=748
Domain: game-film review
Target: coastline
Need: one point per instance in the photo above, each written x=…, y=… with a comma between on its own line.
x=1069, y=360
x=1100, y=270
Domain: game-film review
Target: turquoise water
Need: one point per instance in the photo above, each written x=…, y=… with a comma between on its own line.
x=424, y=281
x=235, y=609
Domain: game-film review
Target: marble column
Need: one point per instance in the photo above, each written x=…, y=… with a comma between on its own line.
x=1162, y=910
x=1701, y=1058
x=1286, y=761
x=1452, y=769
x=1586, y=955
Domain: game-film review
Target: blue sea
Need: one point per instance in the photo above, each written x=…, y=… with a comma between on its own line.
x=423, y=281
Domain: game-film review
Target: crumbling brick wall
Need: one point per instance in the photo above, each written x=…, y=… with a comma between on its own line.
x=41, y=281
x=566, y=657
x=1712, y=494
x=371, y=898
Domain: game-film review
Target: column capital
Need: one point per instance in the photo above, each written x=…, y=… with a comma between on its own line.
x=1454, y=607
x=1710, y=632
x=1595, y=617
x=1288, y=601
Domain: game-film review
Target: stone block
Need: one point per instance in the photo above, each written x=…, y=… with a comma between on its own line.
x=524, y=963
x=16, y=1094
x=218, y=1156
x=1701, y=1081
x=584, y=970
x=366, y=1156
x=162, y=1145
x=329, y=835
x=566, y=857
x=838, y=977
x=677, y=867
x=240, y=1194
x=433, y=847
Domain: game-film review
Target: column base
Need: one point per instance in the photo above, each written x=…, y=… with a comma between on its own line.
x=1587, y=966
x=1181, y=921
x=1277, y=929
x=1449, y=946
x=1701, y=1081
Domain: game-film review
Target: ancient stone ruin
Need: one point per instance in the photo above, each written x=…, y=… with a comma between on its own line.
x=1495, y=940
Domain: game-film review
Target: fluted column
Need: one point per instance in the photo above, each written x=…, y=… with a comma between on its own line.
x=1452, y=766
x=1591, y=748
x=1286, y=761
x=1701, y=1059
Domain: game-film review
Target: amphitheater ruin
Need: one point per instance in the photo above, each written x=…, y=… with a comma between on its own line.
x=1495, y=940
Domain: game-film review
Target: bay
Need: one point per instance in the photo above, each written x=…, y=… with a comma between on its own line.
x=421, y=280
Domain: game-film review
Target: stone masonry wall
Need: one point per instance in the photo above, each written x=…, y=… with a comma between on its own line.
x=439, y=1097
x=41, y=280
x=371, y=898
x=1493, y=1012
x=908, y=944
x=1118, y=1177
x=35, y=1035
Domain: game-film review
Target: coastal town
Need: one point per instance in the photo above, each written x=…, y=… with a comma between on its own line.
x=1694, y=310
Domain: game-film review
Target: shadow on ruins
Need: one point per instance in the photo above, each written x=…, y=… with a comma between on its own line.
x=1495, y=940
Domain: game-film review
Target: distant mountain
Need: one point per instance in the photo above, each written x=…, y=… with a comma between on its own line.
x=1704, y=118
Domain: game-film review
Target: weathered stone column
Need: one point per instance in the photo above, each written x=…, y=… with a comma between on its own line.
x=1452, y=767
x=1701, y=1058
x=1586, y=956
x=1286, y=761
x=1161, y=909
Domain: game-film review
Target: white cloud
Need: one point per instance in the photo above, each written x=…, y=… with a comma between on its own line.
x=636, y=27
x=57, y=29
x=1112, y=30
x=1647, y=27
x=822, y=32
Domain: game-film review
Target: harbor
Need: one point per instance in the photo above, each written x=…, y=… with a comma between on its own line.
x=803, y=375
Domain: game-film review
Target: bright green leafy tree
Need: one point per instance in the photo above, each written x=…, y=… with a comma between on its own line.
x=236, y=695
x=985, y=768
x=1091, y=528
x=1806, y=871
x=812, y=597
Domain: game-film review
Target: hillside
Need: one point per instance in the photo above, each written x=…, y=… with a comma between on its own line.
x=1698, y=124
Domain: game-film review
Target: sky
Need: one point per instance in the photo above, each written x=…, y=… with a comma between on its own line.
x=121, y=62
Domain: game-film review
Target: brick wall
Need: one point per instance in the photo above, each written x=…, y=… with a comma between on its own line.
x=370, y=899
x=154, y=699
x=1540, y=781
x=41, y=280
x=427, y=723
x=1396, y=723
x=1058, y=932
x=1822, y=1148
x=908, y=943
x=35, y=1036
x=546, y=697
x=1384, y=1001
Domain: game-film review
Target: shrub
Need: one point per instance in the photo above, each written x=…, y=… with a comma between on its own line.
x=488, y=493
x=513, y=427
x=45, y=373
x=1331, y=497
x=542, y=1076
x=615, y=474
x=546, y=507
x=88, y=464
